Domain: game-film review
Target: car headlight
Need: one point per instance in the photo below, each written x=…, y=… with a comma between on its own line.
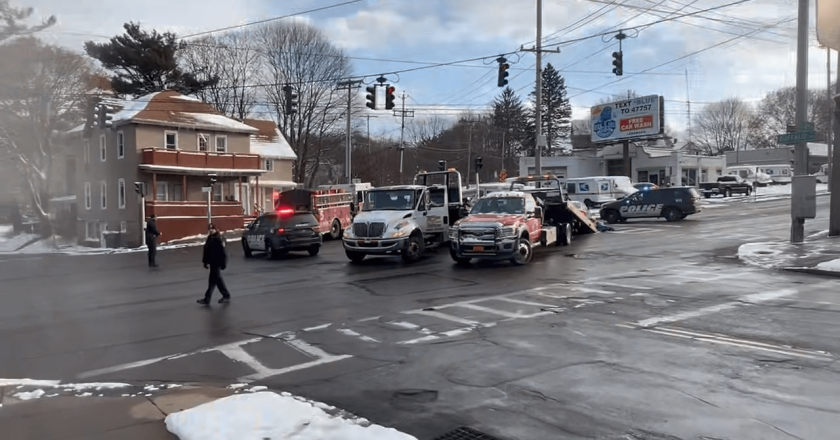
x=453, y=233
x=400, y=225
x=399, y=234
x=508, y=232
x=348, y=233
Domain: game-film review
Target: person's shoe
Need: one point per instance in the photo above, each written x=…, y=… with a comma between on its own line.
x=203, y=302
x=224, y=300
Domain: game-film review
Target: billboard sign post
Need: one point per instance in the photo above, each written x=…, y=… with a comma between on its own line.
x=627, y=119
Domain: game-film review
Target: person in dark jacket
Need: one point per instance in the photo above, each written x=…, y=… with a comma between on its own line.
x=152, y=234
x=215, y=259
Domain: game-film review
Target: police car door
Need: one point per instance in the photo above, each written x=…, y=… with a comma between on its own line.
x=256, y=236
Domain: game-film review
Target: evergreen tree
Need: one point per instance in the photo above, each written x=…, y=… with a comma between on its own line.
x=510, y=119
x=556, y=111
x=143, y=63
x=12, y=18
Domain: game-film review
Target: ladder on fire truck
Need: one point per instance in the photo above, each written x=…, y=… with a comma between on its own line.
x=330, y=198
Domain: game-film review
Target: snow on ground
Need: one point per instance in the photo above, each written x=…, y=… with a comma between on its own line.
x=762, y=193
x=69, y=247
x=30, y=389
x=264, y=415
x=8, y=244
x=831, y=266
x=5, y=230
x=777, y=254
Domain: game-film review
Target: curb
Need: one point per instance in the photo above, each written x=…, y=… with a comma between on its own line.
x=813, y=271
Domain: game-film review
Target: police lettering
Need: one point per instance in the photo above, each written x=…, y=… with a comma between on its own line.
x=642, y=208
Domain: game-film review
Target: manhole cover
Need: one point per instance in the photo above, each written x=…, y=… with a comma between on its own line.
x=464, y=433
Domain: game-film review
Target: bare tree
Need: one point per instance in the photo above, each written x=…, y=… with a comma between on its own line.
x=778, y=109
x=42, y=92
x=723, y=126
x=11, y=18
x=235, y=60
x=301, y=56
x=422, y=131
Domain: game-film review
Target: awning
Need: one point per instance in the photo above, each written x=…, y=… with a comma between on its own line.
x=221, y=172
x=277, y=184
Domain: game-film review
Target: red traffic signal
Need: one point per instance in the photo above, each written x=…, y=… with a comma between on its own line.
x=389, y=97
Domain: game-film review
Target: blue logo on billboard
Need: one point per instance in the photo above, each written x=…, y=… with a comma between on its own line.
x=605, y=126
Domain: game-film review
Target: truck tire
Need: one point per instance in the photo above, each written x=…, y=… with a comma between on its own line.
x=612, y=216
x=246, y=249
x=564, y=234
x=355, y=257
x=523, y=253
x=727, y=192
x=749, y=190
x=463, y=261
x=271, y=253
x=335, y=229
x=414, y=249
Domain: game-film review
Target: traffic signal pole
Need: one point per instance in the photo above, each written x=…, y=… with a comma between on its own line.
x=800, y=165
x=538, y=113
x=348, y=169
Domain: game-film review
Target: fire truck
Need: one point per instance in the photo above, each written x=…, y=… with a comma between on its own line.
x=331, y=207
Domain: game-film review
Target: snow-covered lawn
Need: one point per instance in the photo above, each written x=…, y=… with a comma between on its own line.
x=267, y=415
x=69, y=247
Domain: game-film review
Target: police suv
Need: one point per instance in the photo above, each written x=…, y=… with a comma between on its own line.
x=277, y=233
x=673, y=203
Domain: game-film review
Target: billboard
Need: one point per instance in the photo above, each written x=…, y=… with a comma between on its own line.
x=828, y=23
x=630, y=118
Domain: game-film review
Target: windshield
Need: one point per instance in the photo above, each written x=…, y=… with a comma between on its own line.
x=396, y=200
x=499, y=205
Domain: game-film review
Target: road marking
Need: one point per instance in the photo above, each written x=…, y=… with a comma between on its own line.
x=317, y=327
x=527, y=303
x=372, y=318
x=443, y=316
x=348, y=332
x=624, y=286
x=491, y=311
x=405, y=325
x=754, y=298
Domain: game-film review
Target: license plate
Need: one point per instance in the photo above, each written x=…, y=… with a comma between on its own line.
x=478, y=248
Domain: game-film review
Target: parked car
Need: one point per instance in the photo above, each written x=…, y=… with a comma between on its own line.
x=275, y=234
x=673, y=203
x=726, y=186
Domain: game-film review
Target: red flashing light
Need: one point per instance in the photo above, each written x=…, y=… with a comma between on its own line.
x=390, y=90
x=281, y=230
x=286, y=211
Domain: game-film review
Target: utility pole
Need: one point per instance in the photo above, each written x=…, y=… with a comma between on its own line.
x=470, y=122
x=834, y=168
x=368, y=130
x=800, y=155
x=403, y=113
x=350, y=85
x=830, y=129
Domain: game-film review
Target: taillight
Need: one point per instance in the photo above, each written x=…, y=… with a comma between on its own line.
x=277, y=231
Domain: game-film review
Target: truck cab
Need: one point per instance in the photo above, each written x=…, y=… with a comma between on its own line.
x=406, y=219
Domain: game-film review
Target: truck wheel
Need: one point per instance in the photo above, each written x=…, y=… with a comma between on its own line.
x=612, y=216
x=588, y=203
x=749, y=190
x=564, y=234
x=313, y=250
x=672, y=214
x=459, y=260
x=707, y=195
x=247, y=249
x=335, y=229
x=522, y=255
x=727, y=192
x=355, y=257
x=414, y=249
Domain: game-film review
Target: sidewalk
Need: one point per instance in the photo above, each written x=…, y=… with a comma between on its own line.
x=818, y=255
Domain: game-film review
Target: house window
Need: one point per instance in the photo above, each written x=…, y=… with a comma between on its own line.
x=88, y=198
x=170, y=140
x=203, y=142
x=217, y=192
x=269, y=164
x=120, y=145
x=102, y=147
x=221, y=144
x=92, y=231
x=121, y=193
x=103, y=193
x=87, y=150
x=162, y=192
x=123, y=227
x=177, y=193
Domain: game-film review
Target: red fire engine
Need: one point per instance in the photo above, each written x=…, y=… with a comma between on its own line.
x=330, y=207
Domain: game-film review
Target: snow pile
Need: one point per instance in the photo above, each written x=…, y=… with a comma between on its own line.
x=266, y=415
x=61, y=246
x=767, y=255
x=9, y=244
x=29, y=389
x=831, y=266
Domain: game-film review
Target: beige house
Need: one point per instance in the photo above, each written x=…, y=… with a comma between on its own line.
x=278, y=159
x=179, y=152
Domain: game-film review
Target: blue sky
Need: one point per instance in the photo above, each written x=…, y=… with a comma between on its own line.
x=760, y=57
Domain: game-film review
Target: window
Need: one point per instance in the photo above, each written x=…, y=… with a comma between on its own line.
x=87, y=150
x=123, y=227
x=121, y=193
x=217, y=192
x=162, y=192
x=102, y=147
x=203, y=141
x=88, y=198
x=103, y=193
x=92, y=231
x=269, y=164
x=221, y=144
x=170, y=140
x=571, y=188
x=177, y=193
x=120, y=145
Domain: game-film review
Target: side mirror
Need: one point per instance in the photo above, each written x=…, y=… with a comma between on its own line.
x=538, y=212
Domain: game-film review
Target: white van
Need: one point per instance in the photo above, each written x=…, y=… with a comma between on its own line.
x=593, y=191
x=750, y=173
x=778, y=173
x=822, y=176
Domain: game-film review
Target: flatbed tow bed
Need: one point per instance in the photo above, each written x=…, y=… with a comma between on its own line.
x=557, y=207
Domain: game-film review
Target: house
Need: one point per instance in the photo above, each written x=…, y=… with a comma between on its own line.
x=817, y=156
x=162, y=154
x=278, y=159
x=649, y=162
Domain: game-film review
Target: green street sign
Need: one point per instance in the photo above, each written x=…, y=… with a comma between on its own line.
x=797, y=138
x=806, y=126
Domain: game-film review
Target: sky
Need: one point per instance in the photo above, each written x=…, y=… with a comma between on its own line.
x=744, y=51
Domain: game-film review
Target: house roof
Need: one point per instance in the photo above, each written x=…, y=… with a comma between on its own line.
x=170, y=108
x=269, y=141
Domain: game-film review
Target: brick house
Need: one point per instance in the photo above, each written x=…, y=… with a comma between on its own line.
x=173, y=146
x=278, y=159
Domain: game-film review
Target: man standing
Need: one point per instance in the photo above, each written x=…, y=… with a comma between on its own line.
x=152, y=234
x=215, y=258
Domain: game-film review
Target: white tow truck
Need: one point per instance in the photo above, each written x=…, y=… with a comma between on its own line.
x=406, y=219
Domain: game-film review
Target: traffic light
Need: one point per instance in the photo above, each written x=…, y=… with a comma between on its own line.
x=291, y=100
x=371, y=97
x=441, y=165
x=478, y=164
x=503, y=72
x=389, y=97
x=618, y=62
x=139, y=188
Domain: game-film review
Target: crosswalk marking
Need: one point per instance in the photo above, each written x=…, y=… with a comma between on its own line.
x=444, y=316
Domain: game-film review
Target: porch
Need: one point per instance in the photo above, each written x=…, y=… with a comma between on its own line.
x=179, y=219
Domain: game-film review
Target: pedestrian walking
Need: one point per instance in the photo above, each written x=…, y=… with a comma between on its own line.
x=215, y=259
x=152, y=234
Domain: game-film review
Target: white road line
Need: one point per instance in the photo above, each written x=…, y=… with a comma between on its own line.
x=238, y=354
x=527, y=303
x=405, y=325
x=491, y=311
x=372, y=318
x=754, y=298
x=443, y=316
x=317, y=327
x=624, y=286
x=591, y=290
x=306, y=348
x=348, y=332
x=272, y=373
x=816, y=355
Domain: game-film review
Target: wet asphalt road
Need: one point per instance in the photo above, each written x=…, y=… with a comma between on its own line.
x=654, y=331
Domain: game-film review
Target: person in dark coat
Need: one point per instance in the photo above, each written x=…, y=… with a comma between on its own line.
x=152, y=234
x=215, y=259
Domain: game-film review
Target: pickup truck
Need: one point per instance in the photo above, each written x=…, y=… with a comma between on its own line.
x=726, y=186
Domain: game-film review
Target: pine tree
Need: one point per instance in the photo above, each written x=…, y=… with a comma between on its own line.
x=556, y=112
x=510, y=119
x=12, y=20
x=143, y=63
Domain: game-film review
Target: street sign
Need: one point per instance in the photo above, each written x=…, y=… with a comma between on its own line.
x=206, y=189
x=806, y=126
x=797, y=138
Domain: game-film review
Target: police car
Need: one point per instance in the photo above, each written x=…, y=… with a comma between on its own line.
x=672, y=203
x=277, y=233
